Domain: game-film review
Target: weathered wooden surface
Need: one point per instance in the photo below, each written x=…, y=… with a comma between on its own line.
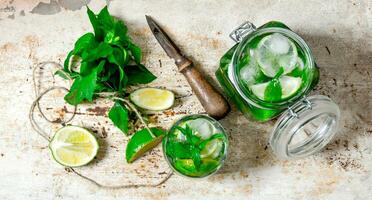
x=339, y=33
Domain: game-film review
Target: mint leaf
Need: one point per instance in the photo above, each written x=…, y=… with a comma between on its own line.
x=121, y=30
x=83, y=87
x=101, y=51
x=213, y=137
x=273, y=91
x=105, y=19
x=138, y=74
x=135, y=52
x=85, y=42
x=179, y=150
x=119, y=116
x=98, y=32
x=62, y=74
x=195, y=156
x=119, y=57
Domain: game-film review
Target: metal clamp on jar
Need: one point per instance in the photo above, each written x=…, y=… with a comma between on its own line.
x=268, y=73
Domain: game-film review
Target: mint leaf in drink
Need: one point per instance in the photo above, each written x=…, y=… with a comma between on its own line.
x=214, y=136
x=188, y=133
x=119, y=116
x=196, y=157
x=178, y=150
x=273, y=91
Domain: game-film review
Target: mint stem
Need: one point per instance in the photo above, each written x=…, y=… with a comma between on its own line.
x=133, y=108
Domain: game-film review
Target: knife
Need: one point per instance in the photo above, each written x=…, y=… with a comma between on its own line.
x=212, y=101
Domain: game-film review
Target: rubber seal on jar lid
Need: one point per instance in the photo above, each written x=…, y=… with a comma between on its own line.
x=305, y=128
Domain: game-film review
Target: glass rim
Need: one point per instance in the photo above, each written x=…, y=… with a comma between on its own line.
x=187, y=118
x=255, y=100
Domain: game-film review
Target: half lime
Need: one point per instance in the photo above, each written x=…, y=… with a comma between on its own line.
x=73, y=146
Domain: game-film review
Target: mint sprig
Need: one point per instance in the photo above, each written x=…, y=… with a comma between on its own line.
x=109, y=62
x=193, y=145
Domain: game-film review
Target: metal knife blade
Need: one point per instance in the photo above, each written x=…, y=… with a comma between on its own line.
x=166, y=43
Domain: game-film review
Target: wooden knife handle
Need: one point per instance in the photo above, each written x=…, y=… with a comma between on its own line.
x=212, y=101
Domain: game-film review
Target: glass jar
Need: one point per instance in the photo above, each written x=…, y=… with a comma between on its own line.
x=195, y=146
x=282, y=74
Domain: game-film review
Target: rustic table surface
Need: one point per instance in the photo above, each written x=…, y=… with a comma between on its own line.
x=35, y=31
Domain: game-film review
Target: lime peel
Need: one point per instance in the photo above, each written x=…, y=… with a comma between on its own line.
x=152, y=98
x=143, y=141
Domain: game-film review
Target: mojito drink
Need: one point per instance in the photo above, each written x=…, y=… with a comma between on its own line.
x=195, y=146
x=268, y=71
x=272, y=68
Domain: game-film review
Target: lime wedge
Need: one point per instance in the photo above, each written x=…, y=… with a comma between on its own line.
x=290, y=85
x=275, y=51
x=152, y=98
x=212, y=149
x=259, y=90
x=209, y=165
x=185, y=166
x=141, y=142
x=73, y=146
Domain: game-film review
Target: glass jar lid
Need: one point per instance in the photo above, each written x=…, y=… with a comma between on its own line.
x=305, y=127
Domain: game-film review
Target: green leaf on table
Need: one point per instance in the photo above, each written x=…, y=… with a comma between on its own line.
x=138, y=74
x=98, y=32
x=105, y=19
x=62, y=74
x=121, y=30
x=83, y=87
x=135, y=52
x=103, y=50
x=119, y=116
x=119, y=56
x=87, y=41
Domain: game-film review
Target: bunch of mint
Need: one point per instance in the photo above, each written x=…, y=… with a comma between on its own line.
x=109, y=62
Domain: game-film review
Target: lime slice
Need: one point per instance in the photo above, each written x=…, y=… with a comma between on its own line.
x=290, y=85
x=275, y=51
x=259, y=90
x=186, y=166
x=212, y=149
x=209, y=165
x=73, y=146
x=202, y=127
x=152, y=98
x=141, y=142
